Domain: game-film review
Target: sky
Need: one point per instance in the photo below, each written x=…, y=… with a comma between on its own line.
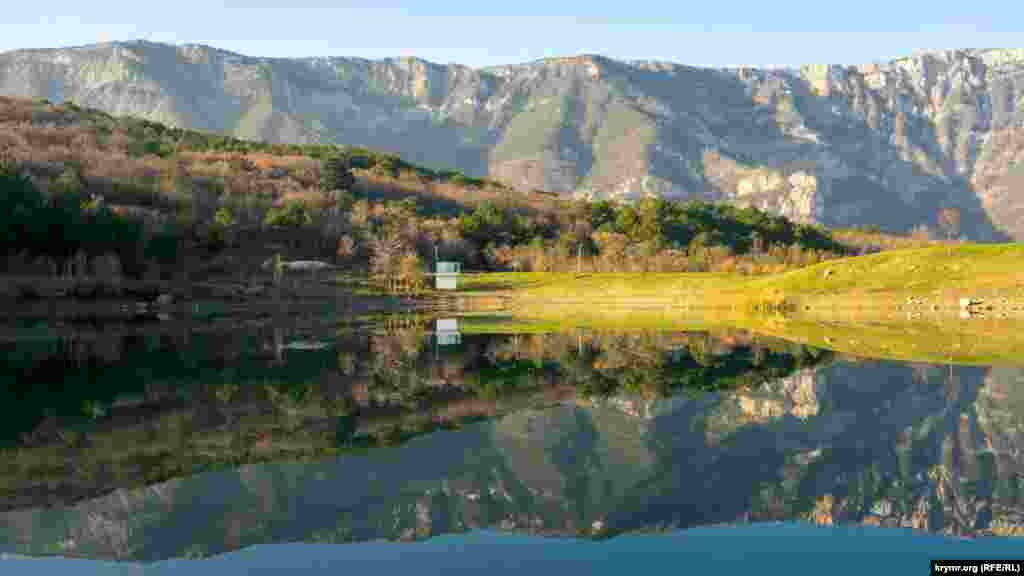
x=765, y=33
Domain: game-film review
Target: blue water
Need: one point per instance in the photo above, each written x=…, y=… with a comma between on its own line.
x=759, y=549
x=627, y=435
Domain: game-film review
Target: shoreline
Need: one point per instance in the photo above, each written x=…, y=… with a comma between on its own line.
x=889, y=306
x=968, y=281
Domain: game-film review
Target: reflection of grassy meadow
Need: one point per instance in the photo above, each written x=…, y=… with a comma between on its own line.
x=974, y=342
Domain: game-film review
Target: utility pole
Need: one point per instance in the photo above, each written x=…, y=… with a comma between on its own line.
x=579, y=258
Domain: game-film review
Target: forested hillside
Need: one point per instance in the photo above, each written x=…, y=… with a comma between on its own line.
x=89, y=193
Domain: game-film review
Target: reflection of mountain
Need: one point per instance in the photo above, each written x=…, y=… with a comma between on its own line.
x=997, y=445
x=885, y=443
x=581, y=459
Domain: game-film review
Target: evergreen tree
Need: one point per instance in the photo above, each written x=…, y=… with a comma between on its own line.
x=336, y=174
x=20, y=205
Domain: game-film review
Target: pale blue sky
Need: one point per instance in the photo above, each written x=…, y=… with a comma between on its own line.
x=482, y=32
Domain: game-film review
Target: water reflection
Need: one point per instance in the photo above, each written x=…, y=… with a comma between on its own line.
x=140, y=445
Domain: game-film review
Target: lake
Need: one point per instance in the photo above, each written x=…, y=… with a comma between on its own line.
x=156, y=445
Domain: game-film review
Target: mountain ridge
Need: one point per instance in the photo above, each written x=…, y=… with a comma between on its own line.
x=884, y=144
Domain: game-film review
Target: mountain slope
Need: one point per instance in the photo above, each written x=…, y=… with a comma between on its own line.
x=882, y=144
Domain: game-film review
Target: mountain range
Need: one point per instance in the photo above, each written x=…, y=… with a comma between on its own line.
x=885, y=144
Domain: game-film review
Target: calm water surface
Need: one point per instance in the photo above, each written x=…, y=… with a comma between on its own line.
x=146, y=443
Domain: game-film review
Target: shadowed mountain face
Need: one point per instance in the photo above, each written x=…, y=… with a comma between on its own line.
x=611, y=433
x=884, y=144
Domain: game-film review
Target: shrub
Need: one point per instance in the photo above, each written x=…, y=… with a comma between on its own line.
x=217, y=232
x=460, y=179
x=224, y=217
x=147, y=147
x=289, y=215
x=386, y=166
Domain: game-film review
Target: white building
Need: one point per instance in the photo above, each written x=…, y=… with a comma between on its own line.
x=446, y=275
x=447, y=332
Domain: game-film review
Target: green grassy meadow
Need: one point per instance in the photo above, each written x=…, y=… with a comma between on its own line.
x=942, y=274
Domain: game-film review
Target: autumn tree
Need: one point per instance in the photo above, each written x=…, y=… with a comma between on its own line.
x=612, y=248
x=410, y=271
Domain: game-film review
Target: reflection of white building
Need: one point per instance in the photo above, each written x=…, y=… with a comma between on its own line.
x=447, y=331
x=446, y=275
x=636, y=407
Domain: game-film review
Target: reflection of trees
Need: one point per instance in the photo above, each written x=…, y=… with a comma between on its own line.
x=74, y=380
x=650, y=366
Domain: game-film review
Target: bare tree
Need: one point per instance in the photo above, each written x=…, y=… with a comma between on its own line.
x=384, y=258
x=346, y=248
x=410, y=271
x=612, y=247
x=949, y=221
